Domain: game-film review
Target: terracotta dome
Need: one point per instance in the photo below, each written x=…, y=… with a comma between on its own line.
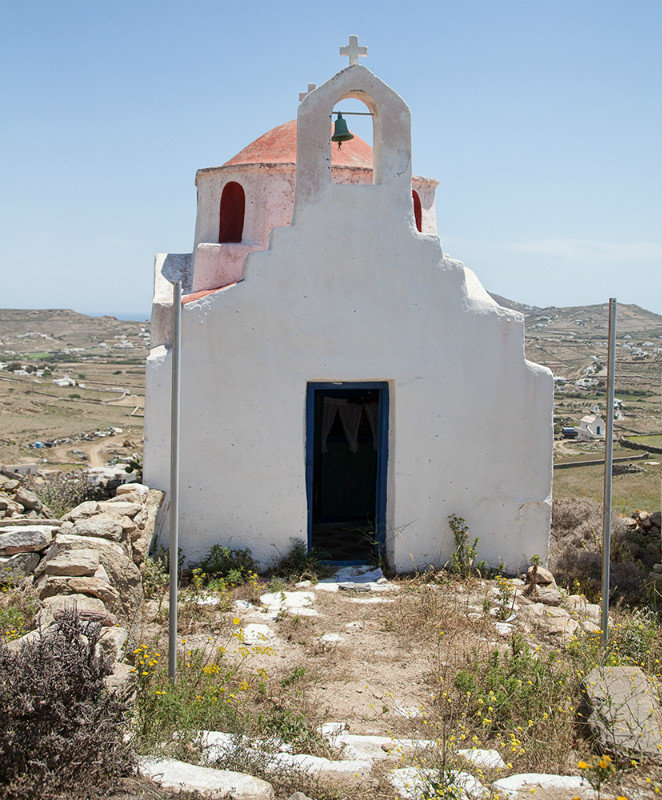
x=279, y=146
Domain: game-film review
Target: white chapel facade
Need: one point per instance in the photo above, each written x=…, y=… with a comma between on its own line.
x=344, y=382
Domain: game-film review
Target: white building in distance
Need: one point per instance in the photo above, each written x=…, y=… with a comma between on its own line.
x=344, y=382
x=65, y=380
x=591, y=427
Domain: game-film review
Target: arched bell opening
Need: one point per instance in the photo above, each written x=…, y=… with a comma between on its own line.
x=232, y=210
x=418, y=211
x=359, y=114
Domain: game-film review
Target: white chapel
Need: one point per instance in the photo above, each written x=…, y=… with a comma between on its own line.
x=344, y=382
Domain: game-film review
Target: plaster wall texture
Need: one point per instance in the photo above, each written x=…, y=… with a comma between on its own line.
x=167, y=267
x=269, y=190
x=269, y=193
x=352, y=292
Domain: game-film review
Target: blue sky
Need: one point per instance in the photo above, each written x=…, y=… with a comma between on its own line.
x=542, y=120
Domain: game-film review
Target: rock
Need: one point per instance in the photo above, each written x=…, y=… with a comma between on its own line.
x=548, y=595
x=122, y=680
x=298, y=796
x=415, y=783
x=410, y=712
x=657, y=568
x=257, y=634
x=128, y=497
x=82, y=511
x=510, y=787
x=656, y=518
x=89, y=608
x=27, y=499
x=353, y=587
x=368, y=747
x=132, y=488
x=11, y=484
x=623, y=713
x=543, y=576
x=121, y=571
x=487, y=759
x=279, y=602
x=24, y=540
x=559, y=623
x=105, y=525
x=51, y=585
x=330, y=638
x=644, y=518
x=9, y=506
x=113, y=642
x=120, y=507
x=579, y=604
x=83, y=562
x=15, y=568
x=332, y=729
x=503, y=628
x=16, y=644
x=214, y=784
x=141, y=540
x=336, y=773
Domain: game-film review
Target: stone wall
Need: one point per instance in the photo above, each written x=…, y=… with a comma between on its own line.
x=90, y=558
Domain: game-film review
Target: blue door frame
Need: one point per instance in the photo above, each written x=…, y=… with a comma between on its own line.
x=382, y=456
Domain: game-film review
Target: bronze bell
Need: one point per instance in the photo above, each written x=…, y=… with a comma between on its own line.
x=341, y=131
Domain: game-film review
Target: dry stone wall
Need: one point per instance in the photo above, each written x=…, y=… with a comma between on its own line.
x=91, y=559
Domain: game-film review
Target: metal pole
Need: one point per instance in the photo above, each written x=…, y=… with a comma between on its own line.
x=174, y=479
x=609, y=455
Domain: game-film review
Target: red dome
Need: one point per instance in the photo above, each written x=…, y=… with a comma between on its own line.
x=279, y=146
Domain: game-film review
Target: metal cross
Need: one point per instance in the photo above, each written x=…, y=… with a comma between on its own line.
x=353, y=50
x=311, y=88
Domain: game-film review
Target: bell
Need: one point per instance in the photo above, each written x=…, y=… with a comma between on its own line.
x=340, y=131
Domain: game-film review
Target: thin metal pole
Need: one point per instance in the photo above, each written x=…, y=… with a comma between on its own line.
x=609, y=457
x=174, y=479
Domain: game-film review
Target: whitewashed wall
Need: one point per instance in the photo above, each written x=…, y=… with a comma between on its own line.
x=351, y=291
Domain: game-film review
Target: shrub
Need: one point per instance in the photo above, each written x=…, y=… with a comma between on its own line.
x=61, y=733
x=211, y=693
x=634, y=640
x=463, y=560
x=506, y=688
x=155, y=577
x=18, y=607
x=62, y=491
x=576, y=552
x=302, y=563
x=135, y=464
x=232, y=564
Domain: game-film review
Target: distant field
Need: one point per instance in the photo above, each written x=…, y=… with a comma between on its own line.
x=41, y=411
x=655, y=439
x=641, y=490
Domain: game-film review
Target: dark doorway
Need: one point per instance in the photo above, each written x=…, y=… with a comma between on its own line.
x=346, y=469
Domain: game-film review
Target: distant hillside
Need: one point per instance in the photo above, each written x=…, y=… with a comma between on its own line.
x=586, y=321
x=513, y=305
x=564, y=339
x=59, y=329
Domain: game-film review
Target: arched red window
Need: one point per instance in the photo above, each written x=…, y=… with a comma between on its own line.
x=418, y=214
x=233, y=206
